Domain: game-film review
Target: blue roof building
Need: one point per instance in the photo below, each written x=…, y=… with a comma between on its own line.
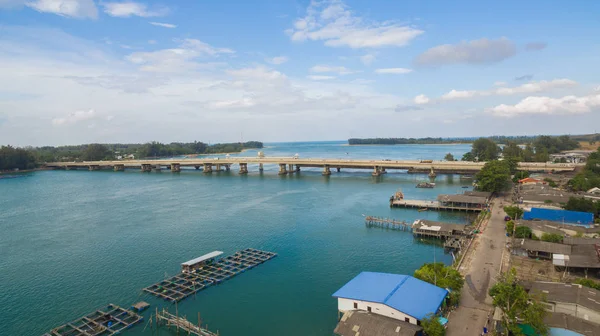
x=563, y=216
x=402, y=297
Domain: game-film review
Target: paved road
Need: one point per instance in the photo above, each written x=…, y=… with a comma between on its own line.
x=480, y=268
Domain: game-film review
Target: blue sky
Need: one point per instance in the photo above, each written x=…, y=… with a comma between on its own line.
x=80, y=71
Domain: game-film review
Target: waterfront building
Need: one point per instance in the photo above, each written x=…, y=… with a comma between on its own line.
x=463, y=201
x=397, y=296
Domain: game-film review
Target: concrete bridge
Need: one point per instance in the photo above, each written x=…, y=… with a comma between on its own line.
x=290, y=165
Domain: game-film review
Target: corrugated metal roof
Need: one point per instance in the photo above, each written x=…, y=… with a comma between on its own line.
x=205, y=257
x=542, y=246
x=462, y=199
x=356, y=322
x=404, y=293
x=566, y=216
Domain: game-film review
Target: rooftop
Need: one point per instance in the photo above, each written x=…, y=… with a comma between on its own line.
x=569, y=322
x=485, y=194
x=423, y=224
x=566, y=216
x=584, y=256
x=357, y=322
x=462, y=199
x=200, y=259
x=542, y=246
x=404, y=293
x=568, y=293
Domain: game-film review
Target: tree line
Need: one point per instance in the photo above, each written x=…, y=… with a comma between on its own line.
x=538, y=141
x=27, y=158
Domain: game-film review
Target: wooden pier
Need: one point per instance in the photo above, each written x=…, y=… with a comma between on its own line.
x=429, y=205
x=387, y=223
x=110, y=320
x=181, y=323
x=184, y=284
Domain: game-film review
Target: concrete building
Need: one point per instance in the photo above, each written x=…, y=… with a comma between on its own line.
x=570, y=299
x=400, y=297
x=463, y=201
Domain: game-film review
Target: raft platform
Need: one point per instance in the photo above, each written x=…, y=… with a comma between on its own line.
x=110, y=320
x=181, y=323
x=182, y=285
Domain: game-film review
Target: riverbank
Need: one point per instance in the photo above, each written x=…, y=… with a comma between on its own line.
x=431, y=144
x=24, y=171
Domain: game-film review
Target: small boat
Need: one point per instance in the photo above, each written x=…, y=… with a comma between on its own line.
x=422, y=209
x=425, y=185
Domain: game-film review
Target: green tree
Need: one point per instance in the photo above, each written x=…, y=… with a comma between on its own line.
x=588, y=283
x=512, y=150
x=512, y=164
x=519, y=175
x=432, y=326
x=442, y=276
x=528, y=153
x=510, y=226
x=485, y=149
x=584, y=205
x=523, y=232
x=493, y=177
x=514, y=211
x=96, y=152
x=551, y=182
x=449, y=157
x=468, y=156
x=552, y=237
x=517, y=306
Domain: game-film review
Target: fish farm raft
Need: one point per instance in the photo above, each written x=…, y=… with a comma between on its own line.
x=110, y=320
x=205, y=271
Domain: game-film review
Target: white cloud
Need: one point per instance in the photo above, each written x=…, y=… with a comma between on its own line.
x=164, y=25
x=183, y=58
x=480, y=51
x=277, y=60
x=126, y=9
x=80, y=9
x=568, y=105
x=259, y=72
x=335, y=69
x=421, y=99
x=532, y=87
x=500, y=83
x=332, y=22
x=367, y=59
x=396, y=71
x=75, y=117
x=317, y=77
x=151, y=41
x=535, y=46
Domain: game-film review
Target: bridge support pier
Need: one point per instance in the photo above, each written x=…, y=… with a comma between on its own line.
x=297, y=168
x=119, y=168
x=261, y=167
x=326, y=171
x=282, y=169
x=243, y=168
x=291, y=169
x=157, y=168
x=146, y=168
x=228, y=167
x=339, y=169
x=218, y=167
x=382, y=170
x=432, y=174
x=197, y=167
x=93, y=167
x=207, y=168
x=376, y=171
x=175, y=167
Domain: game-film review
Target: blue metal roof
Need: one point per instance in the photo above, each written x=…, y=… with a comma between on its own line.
x=565, y=216
x=404, y=293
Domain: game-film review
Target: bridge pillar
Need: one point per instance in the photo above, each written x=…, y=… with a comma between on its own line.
x=157, y=168
x=119, y=168
x=243, y=168
x=175, y=167
x=432, y=174
x=291, y=169
x=261, y=167
x=218, y=167
x=382, y=170
x=228, y=167
x=282, y=169
x=376, y=171
x=326, y=170
x=339, y=169
x=93, y=167
x=146, y=168
x=207, y=168
x=197, y=167
x=297, y=168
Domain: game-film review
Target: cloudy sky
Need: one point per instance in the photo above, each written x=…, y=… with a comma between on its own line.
x=81, y=71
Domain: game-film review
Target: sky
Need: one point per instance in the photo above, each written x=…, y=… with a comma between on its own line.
x=84, y=71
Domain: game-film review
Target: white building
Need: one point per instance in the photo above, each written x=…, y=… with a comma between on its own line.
x=401, y=297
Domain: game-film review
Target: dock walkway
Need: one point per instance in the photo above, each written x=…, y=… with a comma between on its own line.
x=181, y=323
x=387, y=223
x=184, y=284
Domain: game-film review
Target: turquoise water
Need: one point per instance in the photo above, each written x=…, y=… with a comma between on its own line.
x=73, y=241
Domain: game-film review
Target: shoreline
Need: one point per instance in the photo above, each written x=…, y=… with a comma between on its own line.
x=432, y=144
x=24, y=171
x=224, y=153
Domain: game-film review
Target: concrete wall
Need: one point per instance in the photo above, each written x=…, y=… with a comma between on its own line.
x=377, y=308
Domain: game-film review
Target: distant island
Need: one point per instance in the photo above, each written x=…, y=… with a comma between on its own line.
x=12, y=158
x=520, y=139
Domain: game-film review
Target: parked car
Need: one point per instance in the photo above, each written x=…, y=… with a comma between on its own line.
x=507, y=218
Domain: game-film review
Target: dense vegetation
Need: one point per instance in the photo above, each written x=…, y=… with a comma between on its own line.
x=588, y=283
x=590, y=176
x=27, y=158
x=432, y=326
x=429, y=140
x=584, y=205
x=16, y=158
x=494, y=176
x=518, y=307
x=442, y=276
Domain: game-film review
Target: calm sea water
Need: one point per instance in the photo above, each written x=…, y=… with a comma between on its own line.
x=73, y=241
